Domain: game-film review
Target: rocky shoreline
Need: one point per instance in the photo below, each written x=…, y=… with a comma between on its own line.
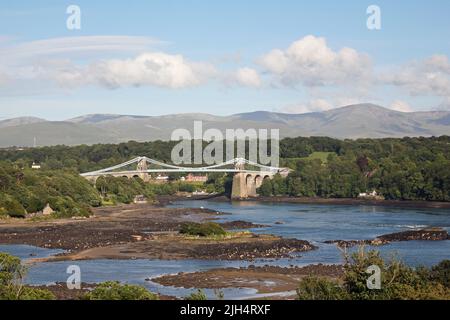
x=146, y=232
x=336, y=201
x=427, y=234
x=265, y=279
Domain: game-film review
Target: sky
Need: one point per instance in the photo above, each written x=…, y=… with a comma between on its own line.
x=163, y=57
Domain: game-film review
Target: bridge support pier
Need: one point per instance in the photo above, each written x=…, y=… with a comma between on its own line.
x=245, y=184
x=239, y=189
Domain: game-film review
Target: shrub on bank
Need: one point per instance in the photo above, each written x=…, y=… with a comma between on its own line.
x=113, y=290
x=202, y=229
x=441, y=273
x=314, y=288
x=398, y=281
x=197, y=296
x=11, y=207
x=11, y=277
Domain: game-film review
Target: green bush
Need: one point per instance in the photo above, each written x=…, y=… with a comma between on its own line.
x=198, y=295
x=398, y=281
x=441, y=273
x=265, y=189
x=13, y=292
x=202, y=229
x=12, y=207
x=315, y=288
x=11, y=276
x=113, y=290
x=10, y=269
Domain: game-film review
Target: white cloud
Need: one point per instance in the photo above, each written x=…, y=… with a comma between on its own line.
x=85, y=45
x=310, y=62
x=401, y=106
x=320, y=104
x=3, y=80
x=148, y=69
x=154, y=69
x=248, y=77
x=438, y=62
x=315, y=105
x=444, y=104
x=428, y=77
x=93, y=60
x=331, y=78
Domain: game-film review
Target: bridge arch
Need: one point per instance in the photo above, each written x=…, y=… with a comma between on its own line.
x=258, y=181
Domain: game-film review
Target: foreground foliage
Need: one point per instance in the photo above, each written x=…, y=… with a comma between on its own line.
x=11, y=286
x=398, y=281
x=12, y=273
x=113, y=290
x=197, y=295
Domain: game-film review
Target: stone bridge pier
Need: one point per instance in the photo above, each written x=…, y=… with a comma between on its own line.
x=245, y=184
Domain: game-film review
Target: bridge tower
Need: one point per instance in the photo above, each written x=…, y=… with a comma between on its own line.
x=143, y=167
x=244, y=184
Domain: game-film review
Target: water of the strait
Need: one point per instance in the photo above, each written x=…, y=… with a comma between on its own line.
x=315, y=223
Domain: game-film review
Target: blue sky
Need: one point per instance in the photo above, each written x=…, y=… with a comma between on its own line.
x=218, y=57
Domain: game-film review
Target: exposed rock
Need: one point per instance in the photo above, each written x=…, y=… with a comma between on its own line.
x=239, y=224
x=47, y=210
x=427, y=234
x=346, y=243
x=251, y=250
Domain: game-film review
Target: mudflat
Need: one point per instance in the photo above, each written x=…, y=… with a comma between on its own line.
x=266, y=279
x=147, y=232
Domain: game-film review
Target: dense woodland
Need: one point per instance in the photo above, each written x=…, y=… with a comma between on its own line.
x=28, y=191
x=403, y=169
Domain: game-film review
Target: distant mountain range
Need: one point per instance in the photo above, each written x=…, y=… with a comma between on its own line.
x=355, y=121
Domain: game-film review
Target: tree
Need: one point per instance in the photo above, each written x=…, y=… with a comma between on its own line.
x=265, y=189
x=12, y=273
x=315, y=288
x=279, y=186
x=113, y=290
x=398, y=281
x=12, y=207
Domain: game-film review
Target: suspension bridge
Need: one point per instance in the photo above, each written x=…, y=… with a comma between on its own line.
x=245, y=181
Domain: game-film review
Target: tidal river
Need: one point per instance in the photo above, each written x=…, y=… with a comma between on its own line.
x=315, y=223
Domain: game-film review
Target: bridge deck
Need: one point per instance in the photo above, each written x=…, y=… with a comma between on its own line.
x=89, y=174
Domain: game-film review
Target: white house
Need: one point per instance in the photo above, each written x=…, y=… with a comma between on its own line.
x=35, y=166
